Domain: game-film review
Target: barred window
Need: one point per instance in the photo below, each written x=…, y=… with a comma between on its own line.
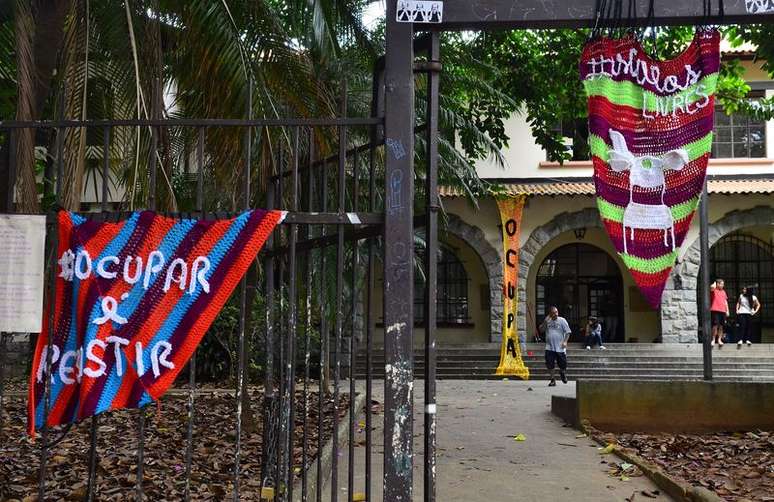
x=452, y=287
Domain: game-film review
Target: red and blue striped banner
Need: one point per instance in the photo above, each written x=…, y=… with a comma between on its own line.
x=133, y=300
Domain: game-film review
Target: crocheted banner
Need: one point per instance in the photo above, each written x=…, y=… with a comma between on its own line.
x=650, y=134
x=511, y=362
x=133, y=300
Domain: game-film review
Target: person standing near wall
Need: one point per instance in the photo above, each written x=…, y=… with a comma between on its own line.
x=747, y=305
x=718, y=310
x=557, y=332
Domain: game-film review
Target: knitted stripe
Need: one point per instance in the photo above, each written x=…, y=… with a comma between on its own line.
x=174, y=238
x=615, y=213
x=631, y=94
x=68, y=339
x=654, y=237
x=223, y=281
x=667, y=139
x=154, y=237
x=696, y=149
x=642, y=110
x=613, y=187
x=230, y=246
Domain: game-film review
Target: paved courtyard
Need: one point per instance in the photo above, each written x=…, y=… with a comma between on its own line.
x=478, y=459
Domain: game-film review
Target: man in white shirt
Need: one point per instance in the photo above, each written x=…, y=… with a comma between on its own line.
x=557, y=333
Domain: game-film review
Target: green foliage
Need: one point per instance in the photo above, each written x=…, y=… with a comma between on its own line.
x=535, y=73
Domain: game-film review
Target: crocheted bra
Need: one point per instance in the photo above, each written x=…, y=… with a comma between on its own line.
x=133, y=300
x=650, y=136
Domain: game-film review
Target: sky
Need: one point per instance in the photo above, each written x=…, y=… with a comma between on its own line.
x=373, y=12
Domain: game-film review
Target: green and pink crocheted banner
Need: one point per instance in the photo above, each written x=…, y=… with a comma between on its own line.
x=650, y=134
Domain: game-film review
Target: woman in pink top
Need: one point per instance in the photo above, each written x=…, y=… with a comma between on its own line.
x=718, y=310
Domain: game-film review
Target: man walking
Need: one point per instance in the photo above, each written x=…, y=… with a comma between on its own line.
x=557, y=332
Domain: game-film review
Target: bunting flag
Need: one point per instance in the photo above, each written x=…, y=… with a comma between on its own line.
x=133, y=300
x=650, y=136
x=511, y=362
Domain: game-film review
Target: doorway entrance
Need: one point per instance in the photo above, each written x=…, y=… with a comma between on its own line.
x=582, y=280
x=744, y=260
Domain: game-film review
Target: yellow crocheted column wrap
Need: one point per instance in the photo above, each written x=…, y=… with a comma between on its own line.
x=511, y=362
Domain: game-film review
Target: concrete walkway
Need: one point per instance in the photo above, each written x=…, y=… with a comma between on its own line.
x=478, y=460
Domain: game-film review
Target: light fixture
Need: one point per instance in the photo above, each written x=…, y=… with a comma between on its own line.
x=580, y=233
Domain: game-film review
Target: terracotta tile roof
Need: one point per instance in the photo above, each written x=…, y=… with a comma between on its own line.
x=585, y=187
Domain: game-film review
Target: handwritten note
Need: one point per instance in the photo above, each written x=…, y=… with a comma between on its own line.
x=22, y=242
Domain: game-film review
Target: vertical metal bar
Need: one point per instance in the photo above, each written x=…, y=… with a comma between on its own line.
x=308, y=333
x=105, y=167
x=3, y=348
x=398, y=260
x=290, y=384
x=139, y=495
x=268, y=478
x=704, y=278
x=7, y=173
x=95, y=419
x=153, y=148
x=322, y=390
x=283, y=431
x=342, y=188
x=377, y=104
x=243, y=299
x=192, y=364
x=352, y=338
x=53, y=238
x=431, y=267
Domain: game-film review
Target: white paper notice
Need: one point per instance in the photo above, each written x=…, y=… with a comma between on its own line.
x=22, y=243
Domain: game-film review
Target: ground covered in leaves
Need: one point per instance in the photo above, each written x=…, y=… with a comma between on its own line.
x=165, y=450
x=737, y=466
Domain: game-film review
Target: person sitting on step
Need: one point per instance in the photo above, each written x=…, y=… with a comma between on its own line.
x=594, y=334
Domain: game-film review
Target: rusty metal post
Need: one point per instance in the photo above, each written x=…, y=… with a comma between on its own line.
x=398, y=260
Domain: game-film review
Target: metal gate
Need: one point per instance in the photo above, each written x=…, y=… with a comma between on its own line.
x=345, y=210
x=317, y=276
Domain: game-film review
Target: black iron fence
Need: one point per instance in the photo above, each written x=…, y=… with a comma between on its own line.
x=314, y=279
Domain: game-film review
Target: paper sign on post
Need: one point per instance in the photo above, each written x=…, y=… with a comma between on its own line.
x=22, y=243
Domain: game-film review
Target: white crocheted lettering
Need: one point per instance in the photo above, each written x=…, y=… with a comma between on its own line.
x=102, y=272
x=94, y=358
x=82, y=258
x=152, y=268
x=118, y=342
x=176, y=263
x=199, y=275
x=64, y=370
x=161, y=359
x=44, y=361
x=641, y=71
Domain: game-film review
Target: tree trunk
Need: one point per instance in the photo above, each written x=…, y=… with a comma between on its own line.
x=24, y=33
x=38, y=30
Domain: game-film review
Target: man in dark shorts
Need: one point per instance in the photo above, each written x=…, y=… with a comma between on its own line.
x=557, y=332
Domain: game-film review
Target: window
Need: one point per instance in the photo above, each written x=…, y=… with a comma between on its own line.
x=452, y=287
x=738, y=136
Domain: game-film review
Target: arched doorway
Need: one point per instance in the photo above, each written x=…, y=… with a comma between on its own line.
x=582, y=280
x=743, y=260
